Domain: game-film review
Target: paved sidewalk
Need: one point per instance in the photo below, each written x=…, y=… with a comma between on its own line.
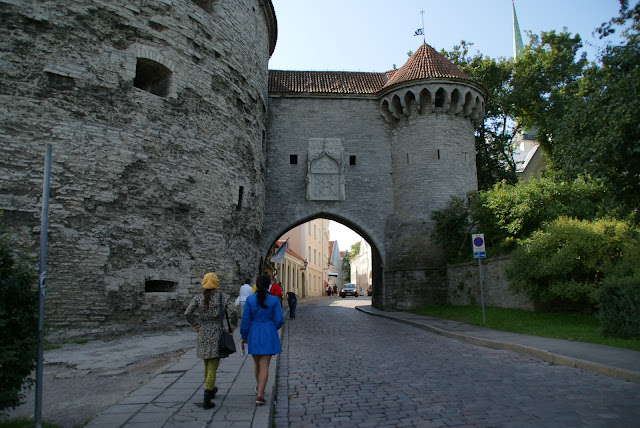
x=607, y=360
x=173, y=398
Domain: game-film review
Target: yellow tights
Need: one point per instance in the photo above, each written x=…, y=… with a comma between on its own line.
x=210, y=368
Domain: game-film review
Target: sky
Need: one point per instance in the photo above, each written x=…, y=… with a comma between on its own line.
x=375, y=35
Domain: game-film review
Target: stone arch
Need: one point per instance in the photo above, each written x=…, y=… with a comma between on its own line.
x=469, y=103
x=441, y=100
x=385, y=111
x=427, y=102
x=377, y=268
x=396, y=107
x=409, y=100
x=456, y=102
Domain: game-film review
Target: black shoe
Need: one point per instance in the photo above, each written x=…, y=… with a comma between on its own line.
x=208, y=395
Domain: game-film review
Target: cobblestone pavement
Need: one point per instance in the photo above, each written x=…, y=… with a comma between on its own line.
x=341, y=367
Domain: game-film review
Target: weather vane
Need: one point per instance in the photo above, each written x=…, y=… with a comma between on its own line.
x=420, y=31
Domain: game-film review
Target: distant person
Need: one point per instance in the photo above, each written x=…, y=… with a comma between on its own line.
x=328, y=290
x=292, y=300
x=261, y=319
x=335, y=290
x=245, y=291
x=203, y=313
x=276, y=290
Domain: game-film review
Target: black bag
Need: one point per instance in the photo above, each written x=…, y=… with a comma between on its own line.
x=227, y=345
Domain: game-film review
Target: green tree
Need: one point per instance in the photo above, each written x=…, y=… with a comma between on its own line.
x=18, y=325
x=494, y=137
x=586, y=113
x=346, y=260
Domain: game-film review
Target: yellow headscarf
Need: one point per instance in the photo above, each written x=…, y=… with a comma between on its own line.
x=210, y=281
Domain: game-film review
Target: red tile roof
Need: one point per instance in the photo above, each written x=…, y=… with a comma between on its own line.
x=425, y=63
x=332, y=82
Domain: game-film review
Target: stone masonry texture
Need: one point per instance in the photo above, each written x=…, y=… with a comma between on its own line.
x=172, y=159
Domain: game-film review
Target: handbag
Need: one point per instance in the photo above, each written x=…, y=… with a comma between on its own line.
x=227, y=345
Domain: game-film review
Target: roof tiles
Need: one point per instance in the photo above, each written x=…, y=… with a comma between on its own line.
x=425, y=63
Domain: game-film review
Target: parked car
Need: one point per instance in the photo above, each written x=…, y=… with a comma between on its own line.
x=349, y=289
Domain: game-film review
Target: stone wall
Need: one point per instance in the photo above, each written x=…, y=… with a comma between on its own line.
x=156, y=111
x=463, y=282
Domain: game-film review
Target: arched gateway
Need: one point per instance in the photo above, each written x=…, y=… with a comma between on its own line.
x=377, y=152
x=176, y=152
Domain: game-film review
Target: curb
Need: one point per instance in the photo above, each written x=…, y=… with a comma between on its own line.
x=549, y=357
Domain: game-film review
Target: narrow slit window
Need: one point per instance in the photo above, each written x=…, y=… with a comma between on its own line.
x=240, y=196
x=293, y=159
x=352, y=160
x=438, y=153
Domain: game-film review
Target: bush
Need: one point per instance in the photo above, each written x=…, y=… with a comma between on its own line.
x=508, y=213
x=18, y=325
x=619, y=307
x=564, y=263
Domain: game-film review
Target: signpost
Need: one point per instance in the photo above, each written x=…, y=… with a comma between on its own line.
x=479, y=253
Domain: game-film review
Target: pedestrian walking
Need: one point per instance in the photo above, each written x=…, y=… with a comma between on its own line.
x=203, y=313
x=292, y=300
x=276, y=290
x=245, y=291
x=261, y=319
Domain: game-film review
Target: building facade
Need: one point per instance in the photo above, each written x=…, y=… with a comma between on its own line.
x=177, y=152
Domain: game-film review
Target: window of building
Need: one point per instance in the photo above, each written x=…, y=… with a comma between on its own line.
x=152, y=77
x=159, y=286
x=205, y=4
x=352, y=160
x=293, y=159
x=440, y=95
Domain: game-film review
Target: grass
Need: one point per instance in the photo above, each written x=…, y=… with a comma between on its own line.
x=574, y=326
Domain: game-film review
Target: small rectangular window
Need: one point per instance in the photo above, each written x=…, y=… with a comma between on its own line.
x=352, y=160
x=438, y=153
x=293, y=159
x=159, y=286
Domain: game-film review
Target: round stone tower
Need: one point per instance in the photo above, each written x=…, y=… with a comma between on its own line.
x=156, y=113
x=432, y=109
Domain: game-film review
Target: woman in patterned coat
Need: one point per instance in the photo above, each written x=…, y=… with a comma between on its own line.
x=203, y=313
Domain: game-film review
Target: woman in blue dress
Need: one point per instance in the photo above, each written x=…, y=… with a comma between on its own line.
x=261, y=319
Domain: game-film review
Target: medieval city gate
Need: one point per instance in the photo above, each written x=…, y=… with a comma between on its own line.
x=377, y=152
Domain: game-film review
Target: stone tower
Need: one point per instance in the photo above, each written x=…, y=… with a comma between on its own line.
x=432, y=109
x=156, y=111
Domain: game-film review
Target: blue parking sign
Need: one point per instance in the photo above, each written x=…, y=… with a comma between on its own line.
x=478, y=246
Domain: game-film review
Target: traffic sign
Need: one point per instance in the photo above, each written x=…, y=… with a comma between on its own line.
x=478, y=246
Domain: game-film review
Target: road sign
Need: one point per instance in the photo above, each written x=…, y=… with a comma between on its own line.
x=478, y=246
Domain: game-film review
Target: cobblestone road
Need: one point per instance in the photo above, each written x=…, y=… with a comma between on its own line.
x=341, y=367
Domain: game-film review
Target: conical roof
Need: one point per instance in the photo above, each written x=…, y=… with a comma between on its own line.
x=426, y=63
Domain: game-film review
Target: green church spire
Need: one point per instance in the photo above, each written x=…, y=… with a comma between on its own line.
x=518, y=47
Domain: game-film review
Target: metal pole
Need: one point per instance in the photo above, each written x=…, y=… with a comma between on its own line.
x=41, y=277
x=481, y=292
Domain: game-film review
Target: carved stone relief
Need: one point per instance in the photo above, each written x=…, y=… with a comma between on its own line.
x=325, y=170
